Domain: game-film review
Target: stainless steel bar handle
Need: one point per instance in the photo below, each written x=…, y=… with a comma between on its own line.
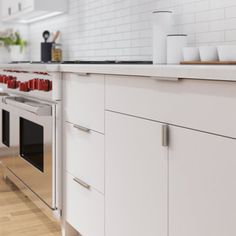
x=82, y=128
x=19, y=6
x=29, y=106
x=84, y=74
x=4, y=99
x=165, y=135
x=82, y=183
x=173, y=79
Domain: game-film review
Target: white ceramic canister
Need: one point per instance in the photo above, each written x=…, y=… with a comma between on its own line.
x=162, y=22
x=191, y=54
x=209, y=53
x=175, y=45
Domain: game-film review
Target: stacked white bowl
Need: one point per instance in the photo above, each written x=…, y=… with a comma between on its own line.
x=225, y=53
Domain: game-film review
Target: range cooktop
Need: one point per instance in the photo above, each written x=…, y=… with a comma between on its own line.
x=86, y=62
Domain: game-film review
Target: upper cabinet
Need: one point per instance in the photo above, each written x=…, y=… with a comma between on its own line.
x=27, y=11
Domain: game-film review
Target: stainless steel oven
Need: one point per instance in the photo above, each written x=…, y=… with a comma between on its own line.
x=28, y=133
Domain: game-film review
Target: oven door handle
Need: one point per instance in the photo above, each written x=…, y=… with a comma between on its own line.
x=36, y=108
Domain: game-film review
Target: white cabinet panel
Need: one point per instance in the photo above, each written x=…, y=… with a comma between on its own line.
x=84, y=155
x=84, y=100
x=25, y=4
x=201, y=105
x=202, y=184
x=84, y=208
x=27, y=11
x=136, y=177
x=8, y=8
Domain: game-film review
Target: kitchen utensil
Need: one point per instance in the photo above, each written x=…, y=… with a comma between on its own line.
x=227, y=52
x=162, y=21
x=56, y=36
x=175, y=45
x=46, y=35
x=208, y=53
x=191, y=54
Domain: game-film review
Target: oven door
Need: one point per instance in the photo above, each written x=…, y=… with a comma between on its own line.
x=9, y=140
x=35, y=163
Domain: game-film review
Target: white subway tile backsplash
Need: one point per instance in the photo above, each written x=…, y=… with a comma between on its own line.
x=210, y=37
x=230, y=35
x=122, y=29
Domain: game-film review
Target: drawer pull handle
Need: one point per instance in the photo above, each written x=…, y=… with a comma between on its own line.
x=165, y=135
x=82, y=183
x=82, y=74
x=173, y=79
x=82, y=128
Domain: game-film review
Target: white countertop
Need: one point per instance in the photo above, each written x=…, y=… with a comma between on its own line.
x=32, y=67
x=203, y=72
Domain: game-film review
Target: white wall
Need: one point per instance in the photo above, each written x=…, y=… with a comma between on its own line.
x=121, y=29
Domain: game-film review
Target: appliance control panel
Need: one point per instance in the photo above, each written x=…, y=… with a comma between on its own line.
x=32, y=83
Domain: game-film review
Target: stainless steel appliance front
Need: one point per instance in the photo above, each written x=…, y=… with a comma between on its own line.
x=30, y=155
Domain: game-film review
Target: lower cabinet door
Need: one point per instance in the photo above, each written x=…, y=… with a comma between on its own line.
x=202, y=195
x=135, y=176
x=84, y=208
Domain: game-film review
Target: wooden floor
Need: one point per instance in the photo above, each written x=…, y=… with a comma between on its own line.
x=20, y=217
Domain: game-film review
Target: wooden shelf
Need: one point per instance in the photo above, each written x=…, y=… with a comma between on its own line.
x=208, y=63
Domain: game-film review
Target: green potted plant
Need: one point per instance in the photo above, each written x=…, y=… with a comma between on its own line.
x=16, y=45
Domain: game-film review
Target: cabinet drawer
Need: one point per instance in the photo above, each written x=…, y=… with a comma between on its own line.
x=84, y=155
x=83, y=98
x=84, y=208
x=201, y=105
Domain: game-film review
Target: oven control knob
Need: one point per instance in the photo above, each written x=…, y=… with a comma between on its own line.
x=12, y=84
x=41, y=84
x=50, y=86
x=34, y=84
x=24, y=87
x=5, y=79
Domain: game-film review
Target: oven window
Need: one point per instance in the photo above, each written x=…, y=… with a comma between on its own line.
x=31, y=143
x=6, y=128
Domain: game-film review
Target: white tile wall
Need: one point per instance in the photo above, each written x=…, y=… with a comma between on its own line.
x=121, y=29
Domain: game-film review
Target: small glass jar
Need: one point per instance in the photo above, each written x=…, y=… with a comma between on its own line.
x=56, y=52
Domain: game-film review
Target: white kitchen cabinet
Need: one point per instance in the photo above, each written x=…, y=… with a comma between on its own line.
x=202, y=184
x=84, y=208
x=84, y=100
x=27, y=11
x=202, y=105
x=84, y=152
x=24, y=4
x=8, y=8
x=135, y=176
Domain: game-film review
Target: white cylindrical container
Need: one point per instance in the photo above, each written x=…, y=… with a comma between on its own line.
x=175, y=45
x=191, y=54
x=162, y=22
x=227, y=52
x=209, y=53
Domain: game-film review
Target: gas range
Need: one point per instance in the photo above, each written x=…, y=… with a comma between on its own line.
x=31, y=111
x=105, y=62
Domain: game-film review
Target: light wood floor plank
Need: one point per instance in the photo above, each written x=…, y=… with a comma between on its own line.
x=20, y=217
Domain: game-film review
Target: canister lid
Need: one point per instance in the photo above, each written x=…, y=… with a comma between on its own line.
x=177, y=35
